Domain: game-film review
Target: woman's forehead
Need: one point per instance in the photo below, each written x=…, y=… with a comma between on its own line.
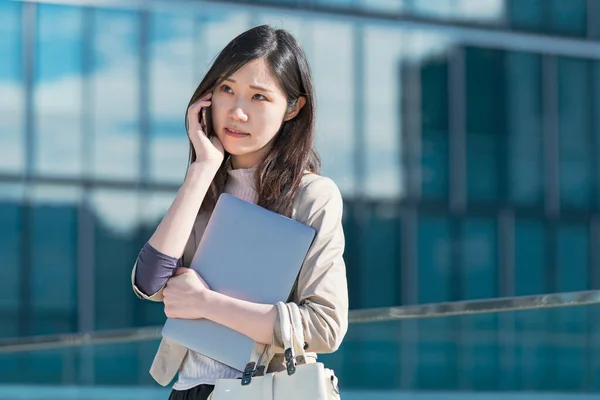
x=257, y=74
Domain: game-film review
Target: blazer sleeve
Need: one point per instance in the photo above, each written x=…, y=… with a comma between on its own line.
x=184, y=261
x=322, y=290
x=158, y=296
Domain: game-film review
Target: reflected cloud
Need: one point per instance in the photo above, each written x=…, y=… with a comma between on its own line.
x=155, y=206
x=462, y=10
x=170, y=157
x=484, y=11
x=56, y=194
x=11, y=192
x=420, y=46
x=58, y=145
x=59, y=96
x=118, y=210
x=12, y=147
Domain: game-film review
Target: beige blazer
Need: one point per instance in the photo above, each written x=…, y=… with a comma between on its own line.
x=321, y=293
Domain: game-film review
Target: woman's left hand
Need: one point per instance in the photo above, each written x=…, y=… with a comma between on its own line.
x=184, y=295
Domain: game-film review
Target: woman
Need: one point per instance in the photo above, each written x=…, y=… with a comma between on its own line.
x=257, y=145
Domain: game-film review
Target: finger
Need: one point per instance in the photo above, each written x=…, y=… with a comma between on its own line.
x=204, y=99
x=194, y=111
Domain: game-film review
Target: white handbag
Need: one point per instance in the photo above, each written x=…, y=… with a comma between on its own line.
x=300, y=381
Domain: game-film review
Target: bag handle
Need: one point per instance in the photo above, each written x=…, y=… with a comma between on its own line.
x=290, y=324
x=298, y=332
x=288, y=336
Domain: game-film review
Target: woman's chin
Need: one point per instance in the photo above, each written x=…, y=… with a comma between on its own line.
x=234, y=150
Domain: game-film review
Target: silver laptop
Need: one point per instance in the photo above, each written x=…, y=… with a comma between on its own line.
x=249, y=253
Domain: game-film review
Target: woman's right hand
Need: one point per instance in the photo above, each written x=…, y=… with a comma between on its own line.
x=208, y=151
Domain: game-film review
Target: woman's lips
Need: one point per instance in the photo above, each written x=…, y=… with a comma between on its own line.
x=235, y=133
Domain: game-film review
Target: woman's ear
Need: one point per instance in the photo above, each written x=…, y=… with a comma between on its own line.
x=299, y=104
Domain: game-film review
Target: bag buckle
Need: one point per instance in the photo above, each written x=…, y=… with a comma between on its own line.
x=260, y=371
x=289, y=362
x=248, y=371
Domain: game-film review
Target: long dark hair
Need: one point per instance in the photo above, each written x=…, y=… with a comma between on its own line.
x=279, y=175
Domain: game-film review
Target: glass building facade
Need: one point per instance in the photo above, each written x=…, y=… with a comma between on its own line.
x=463, y=134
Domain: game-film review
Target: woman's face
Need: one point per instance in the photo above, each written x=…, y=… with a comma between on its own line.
x=248, y=109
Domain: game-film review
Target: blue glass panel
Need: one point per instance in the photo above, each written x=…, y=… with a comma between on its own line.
x=387, y=6
x=53, y=281
x=116, y=94
x=353, y=227
x=573, y=259
x=11, y=216
x=12, y=100
x=486, y=123
x=525, y=124
x=380, y=267
x=435, y=138
x=527, y=14
x=573, y=273
x=477, y=11
x=435, y=258
x=560, y=17
x=530, y=277
x=568, y=17
x=11, y=248
x=531, y=258
x=382, y=122
x=117, y=243
x=479, y=342
x=58, y=94
x=480, y=270
x=173, y=76
x=332, y=44
x=575, y=139
x=437, y=356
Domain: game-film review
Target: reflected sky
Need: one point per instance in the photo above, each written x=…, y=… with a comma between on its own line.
x=58, y=91
x=10, y=25
x=181, y=48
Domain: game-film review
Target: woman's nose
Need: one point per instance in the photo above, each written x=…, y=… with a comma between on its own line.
x=238, y=114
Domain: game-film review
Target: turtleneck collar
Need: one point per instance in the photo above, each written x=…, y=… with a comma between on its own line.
x=241, y=183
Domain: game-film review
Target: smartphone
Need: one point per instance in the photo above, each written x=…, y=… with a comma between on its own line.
x=205, y=121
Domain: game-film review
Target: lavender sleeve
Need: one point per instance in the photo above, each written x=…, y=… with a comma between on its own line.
x=154, y=269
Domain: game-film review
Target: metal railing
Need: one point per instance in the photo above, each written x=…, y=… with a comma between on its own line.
x=372, y=315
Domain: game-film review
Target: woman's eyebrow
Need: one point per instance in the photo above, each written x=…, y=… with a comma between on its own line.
x=261, y=88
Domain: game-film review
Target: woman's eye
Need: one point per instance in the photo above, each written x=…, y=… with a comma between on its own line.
x=226, y=89
x=259, y=97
